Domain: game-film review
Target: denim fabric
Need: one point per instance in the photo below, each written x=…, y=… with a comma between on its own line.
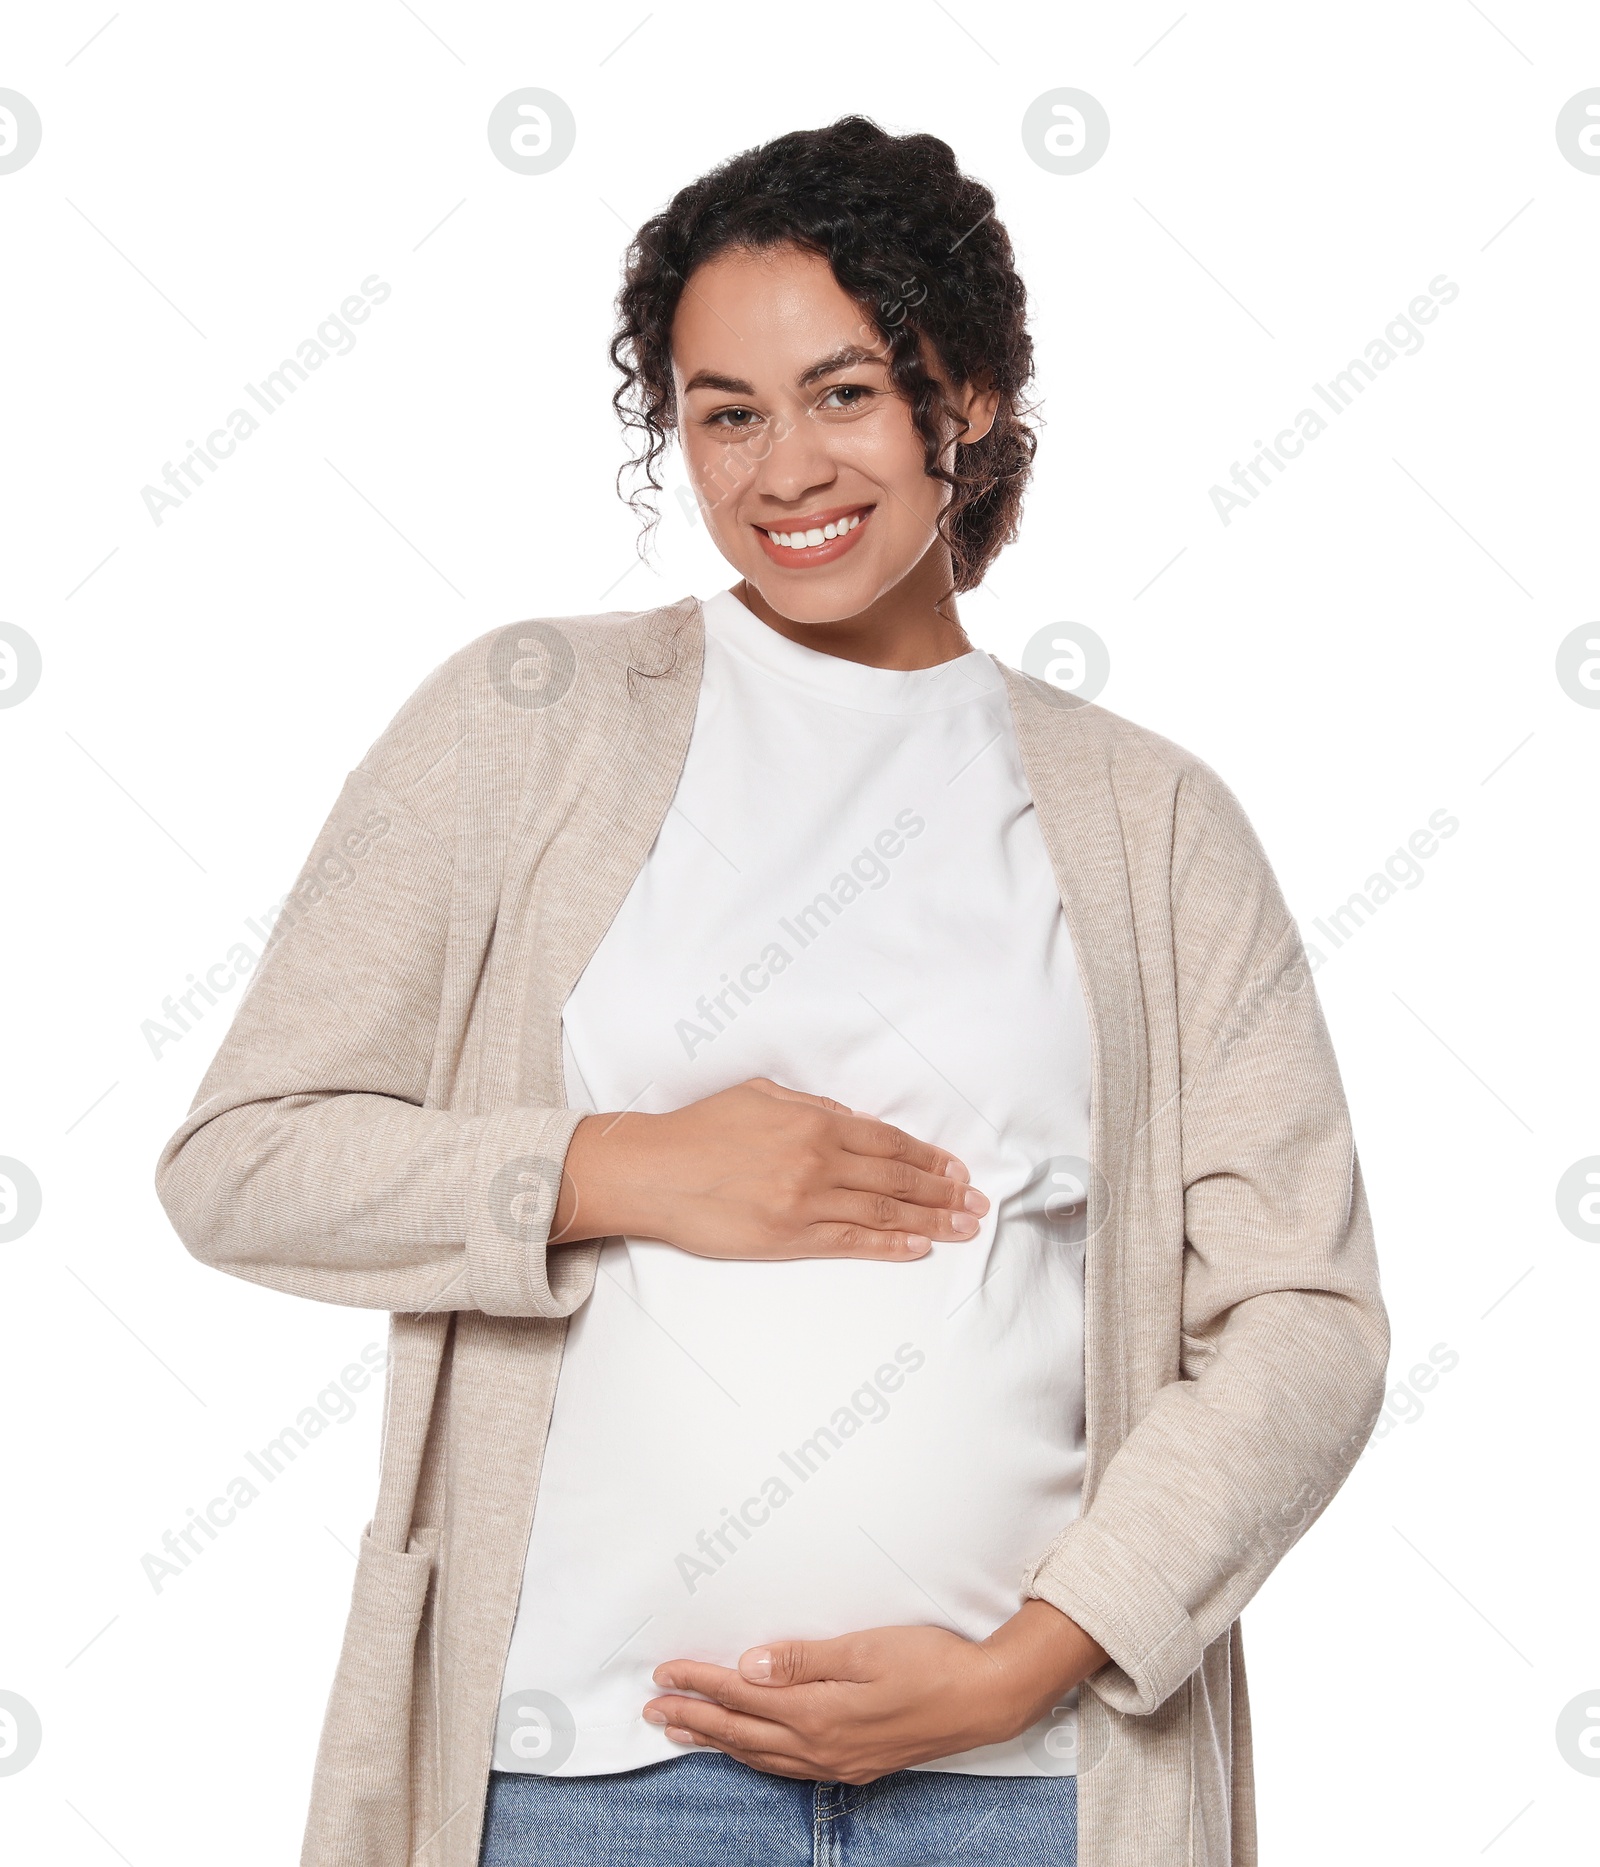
x=705, y=1810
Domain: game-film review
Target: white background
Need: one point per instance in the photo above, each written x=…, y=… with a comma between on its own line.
x=1373, y=640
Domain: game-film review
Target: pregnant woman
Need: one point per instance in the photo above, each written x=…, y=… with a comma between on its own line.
x=879, y=1267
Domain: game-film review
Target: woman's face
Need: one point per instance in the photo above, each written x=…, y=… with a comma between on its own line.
x=805, y=461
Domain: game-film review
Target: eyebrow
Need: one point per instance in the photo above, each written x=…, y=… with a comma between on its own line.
x=846, y=358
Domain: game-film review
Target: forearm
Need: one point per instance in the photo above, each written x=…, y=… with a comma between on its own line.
x=603, y=1191
x=1040, y=1656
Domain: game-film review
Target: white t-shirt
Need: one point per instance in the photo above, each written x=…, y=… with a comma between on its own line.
x=850, y=895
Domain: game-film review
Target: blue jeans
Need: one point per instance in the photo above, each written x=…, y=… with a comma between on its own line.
x=706, y=1810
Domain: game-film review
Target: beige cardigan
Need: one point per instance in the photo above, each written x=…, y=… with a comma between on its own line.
x=384, y=1126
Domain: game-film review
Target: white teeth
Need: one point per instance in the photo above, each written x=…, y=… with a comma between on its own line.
x=800, y=541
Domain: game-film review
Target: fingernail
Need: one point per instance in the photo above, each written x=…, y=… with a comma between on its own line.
x=757, y=1665
x=974, y=1201
x=655, y=1717
x=963, y=1224
x=917, y=1245
x=953, y=1170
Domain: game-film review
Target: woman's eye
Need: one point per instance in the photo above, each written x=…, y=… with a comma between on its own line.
x=733, y=418
x=854, y=392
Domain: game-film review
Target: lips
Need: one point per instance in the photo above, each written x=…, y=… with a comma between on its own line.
x=844, y=522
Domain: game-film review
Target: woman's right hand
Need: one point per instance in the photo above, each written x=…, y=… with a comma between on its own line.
x=760, y=1171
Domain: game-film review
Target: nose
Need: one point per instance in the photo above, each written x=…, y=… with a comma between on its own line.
x=798, y=461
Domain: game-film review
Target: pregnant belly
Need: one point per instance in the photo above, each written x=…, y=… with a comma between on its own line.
x=745, y=1452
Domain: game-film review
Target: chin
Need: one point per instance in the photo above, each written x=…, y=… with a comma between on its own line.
x=812, y=596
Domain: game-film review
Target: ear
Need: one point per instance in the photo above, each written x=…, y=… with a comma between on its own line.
x=980, y=406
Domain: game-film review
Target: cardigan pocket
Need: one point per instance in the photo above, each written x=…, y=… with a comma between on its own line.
x=361, y=1799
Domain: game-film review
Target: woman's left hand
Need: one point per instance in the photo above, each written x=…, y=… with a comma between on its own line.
x=852, y=1709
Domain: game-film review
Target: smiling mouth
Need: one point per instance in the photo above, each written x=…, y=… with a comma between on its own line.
x=815, y=539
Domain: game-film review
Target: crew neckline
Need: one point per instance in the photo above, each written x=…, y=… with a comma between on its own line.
x=958, y=682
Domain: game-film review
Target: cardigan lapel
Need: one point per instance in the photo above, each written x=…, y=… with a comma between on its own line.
x=1067, y=760
x=574, y=869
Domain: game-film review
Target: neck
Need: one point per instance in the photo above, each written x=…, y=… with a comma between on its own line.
x=906, y=627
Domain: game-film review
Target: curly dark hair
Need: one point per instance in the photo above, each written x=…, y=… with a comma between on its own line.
x=915, y=243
